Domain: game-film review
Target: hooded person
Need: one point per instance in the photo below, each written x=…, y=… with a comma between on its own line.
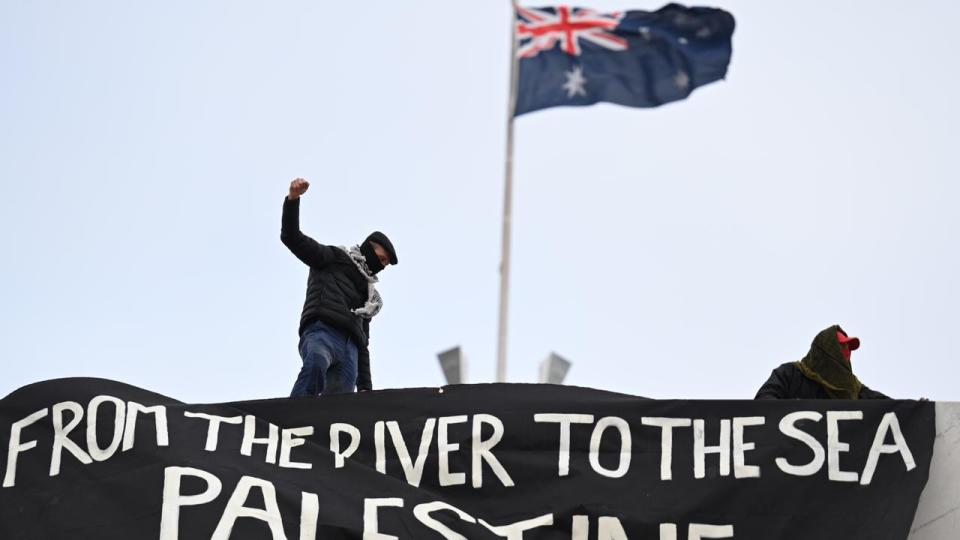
x=340, y=302
x=824, y=373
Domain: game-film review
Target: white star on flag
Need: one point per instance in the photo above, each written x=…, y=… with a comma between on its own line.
x=576, y=82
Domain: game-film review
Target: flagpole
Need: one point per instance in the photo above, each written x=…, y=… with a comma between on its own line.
x=507, y=204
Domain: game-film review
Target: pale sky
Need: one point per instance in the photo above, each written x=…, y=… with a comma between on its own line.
x=678, y=252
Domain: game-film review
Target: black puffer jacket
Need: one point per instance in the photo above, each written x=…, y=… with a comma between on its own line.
x=334, y=287
x=788, y=382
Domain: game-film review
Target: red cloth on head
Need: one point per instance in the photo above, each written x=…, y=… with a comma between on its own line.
x=847, y=344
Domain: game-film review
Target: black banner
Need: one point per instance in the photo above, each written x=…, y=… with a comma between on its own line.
x=91, y=458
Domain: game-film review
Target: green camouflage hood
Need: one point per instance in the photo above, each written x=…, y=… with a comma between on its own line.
x=825, y=365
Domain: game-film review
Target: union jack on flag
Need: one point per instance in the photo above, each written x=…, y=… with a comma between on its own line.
x=578, y=56
x=541, y=29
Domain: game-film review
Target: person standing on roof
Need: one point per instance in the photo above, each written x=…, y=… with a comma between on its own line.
x=340, y=301
x=824, y=373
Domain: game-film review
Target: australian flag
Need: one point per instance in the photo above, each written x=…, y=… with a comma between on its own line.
x=576, y=56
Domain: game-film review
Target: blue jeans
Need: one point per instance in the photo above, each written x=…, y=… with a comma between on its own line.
x=329, y=362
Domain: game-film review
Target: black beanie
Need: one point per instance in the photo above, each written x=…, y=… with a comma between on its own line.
x=380, y=238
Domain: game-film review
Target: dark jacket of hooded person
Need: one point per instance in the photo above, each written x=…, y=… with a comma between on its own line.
x=824, y=373
x=335, y=287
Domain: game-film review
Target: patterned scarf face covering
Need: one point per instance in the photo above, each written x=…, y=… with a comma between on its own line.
x=825, y=365
x=374, y=301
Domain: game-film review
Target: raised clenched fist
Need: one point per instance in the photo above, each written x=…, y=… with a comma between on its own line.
x=298, y=187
